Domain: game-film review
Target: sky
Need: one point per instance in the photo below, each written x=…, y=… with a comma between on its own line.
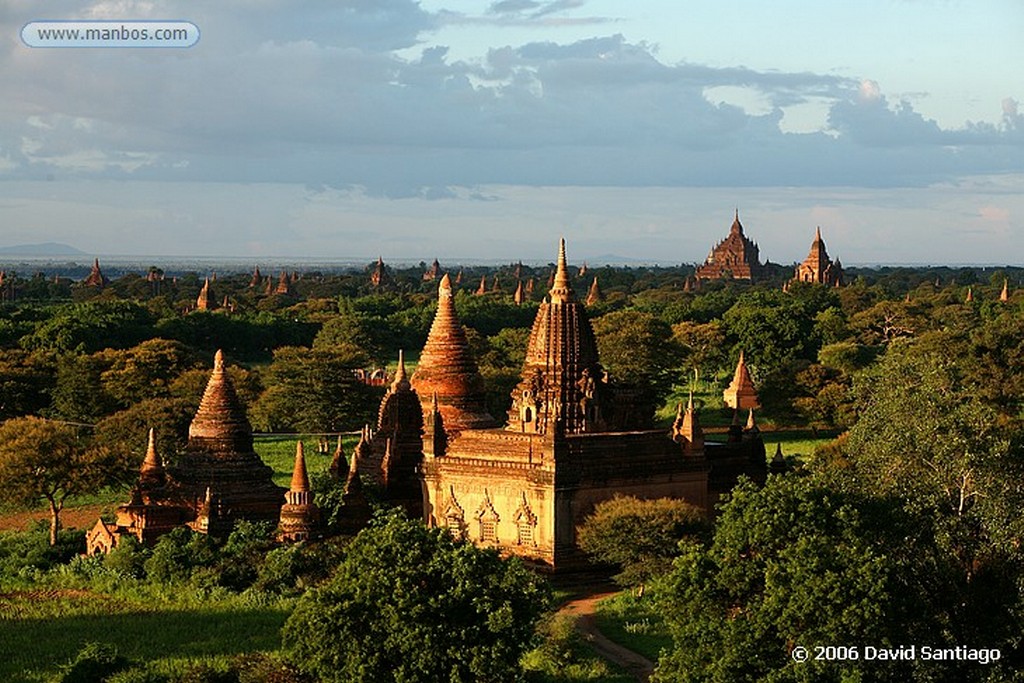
x=486, y=130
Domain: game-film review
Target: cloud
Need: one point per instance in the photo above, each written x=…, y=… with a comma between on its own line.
x=322, y=97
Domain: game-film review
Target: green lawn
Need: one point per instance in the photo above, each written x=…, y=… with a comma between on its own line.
x=634, y=624
x=39, y=632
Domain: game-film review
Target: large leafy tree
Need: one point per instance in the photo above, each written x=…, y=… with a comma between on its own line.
x=640, y=537
x=415, y=605
x=26, y=381
x=801, y=564
x=638, y=348
x=47, y=460
x=314, y=390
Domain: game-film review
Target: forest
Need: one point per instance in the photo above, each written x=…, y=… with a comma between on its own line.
x=896, y=400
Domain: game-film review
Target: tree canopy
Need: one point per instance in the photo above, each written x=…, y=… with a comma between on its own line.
x=413, y=605
x=46, y=460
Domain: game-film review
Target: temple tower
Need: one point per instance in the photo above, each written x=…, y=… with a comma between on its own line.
x=95, y=277
x=734, y=257
x=594, y=295
x=220, y=456
x=818, y=268
x=562, y=386
x=448, y=370
x=300, y=517
x=379, y=277
x=686, y=430
x=740, y=393
x=205, y=297
x=284, y=285
x=399, y=442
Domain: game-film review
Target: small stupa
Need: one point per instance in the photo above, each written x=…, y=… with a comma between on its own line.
x=300, y=517
x=740, y=393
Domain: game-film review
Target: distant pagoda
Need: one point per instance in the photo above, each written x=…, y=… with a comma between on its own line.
x=96, y=277
x=736, y=257
x=740, y=394
x=818, y=268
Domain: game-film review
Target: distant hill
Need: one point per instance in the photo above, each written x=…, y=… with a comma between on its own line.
x=45, y=249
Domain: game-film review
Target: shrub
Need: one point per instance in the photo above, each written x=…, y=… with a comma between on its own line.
x=94, y=663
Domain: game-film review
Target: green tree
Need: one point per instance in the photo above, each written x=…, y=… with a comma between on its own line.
x=314, y=390
x=79, y=395
x=772, y=329
x=43, y=459
x=413, y=604
x=91, y=326
x=702, y=346
x=144, y=371
x=640, y=537
x=798, y=563
x=126, y=432
x=26, y=380
x=638, y=348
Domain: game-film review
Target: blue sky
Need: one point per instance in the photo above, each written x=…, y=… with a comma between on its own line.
x=485, y=130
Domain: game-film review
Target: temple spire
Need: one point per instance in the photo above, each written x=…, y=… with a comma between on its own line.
x=594, y=295
x=221, y=422
x=741, y=393
x=337, y=460
x=300, y=477
x=152, y=461
x=401, y=382
x=561, y=289
x=1004, y=296
x=446, y=367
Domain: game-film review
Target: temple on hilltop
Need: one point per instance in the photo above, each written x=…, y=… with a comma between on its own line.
x=735, y=257
x=571, y=439
x=218, y=478
x=818, y=268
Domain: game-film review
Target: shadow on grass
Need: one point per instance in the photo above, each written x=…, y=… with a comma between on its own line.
x=32, y=647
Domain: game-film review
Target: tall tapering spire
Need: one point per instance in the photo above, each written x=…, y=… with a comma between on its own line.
x=686, y=429
x=561, y=289
x=1004, y=295
x=446, y=367
x=594, y=295
x=221, y=422
x=152, y=461
x=152, y=472
x=300, y=517
x=300, y=477
x=337, y=461
x=401, y=382
x=562, y=384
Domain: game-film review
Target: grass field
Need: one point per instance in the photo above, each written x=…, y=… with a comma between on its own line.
x=41, y=630
x=634, y=625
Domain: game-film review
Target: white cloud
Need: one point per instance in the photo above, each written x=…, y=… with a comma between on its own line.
x=321, y=97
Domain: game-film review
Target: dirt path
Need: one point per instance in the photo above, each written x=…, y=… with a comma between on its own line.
x=585, y=609
x=78, y=517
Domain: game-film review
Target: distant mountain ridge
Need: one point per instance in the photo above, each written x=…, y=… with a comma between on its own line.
x=44, y=249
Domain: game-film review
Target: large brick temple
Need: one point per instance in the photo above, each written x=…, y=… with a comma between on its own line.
x=818, y=268
x=571, y=439
x=217, y=480
x=736, y=257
